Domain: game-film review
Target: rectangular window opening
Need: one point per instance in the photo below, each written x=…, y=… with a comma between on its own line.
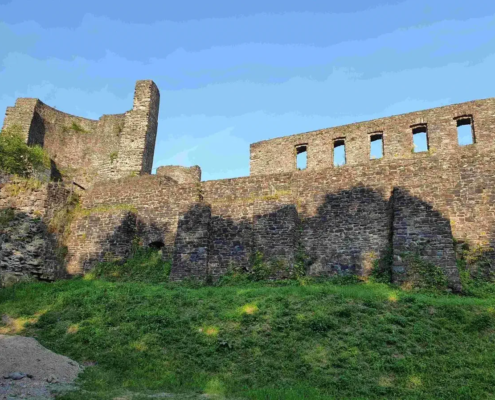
x=420, y=139
x=376, y=146
x=465, y=131
x=302, y=156
x=339, y=152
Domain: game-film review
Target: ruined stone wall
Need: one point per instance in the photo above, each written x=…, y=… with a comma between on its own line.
x=190, y=256
x=117, y=212
x=231, y=227
x=279, y=155
x=29, y=247
x=348, y=217
x=137, y=143
x=88, y=151
x=343, y=218
x=181, y=174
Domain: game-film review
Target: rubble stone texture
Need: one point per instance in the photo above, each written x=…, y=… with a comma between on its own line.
x=181, y=174
x=28, y=248
x=344, y=218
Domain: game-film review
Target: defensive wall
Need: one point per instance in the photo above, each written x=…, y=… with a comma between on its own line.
x=87, y=151
x=29, y=246
x=343, y=218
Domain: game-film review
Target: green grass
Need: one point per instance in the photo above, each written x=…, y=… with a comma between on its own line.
x=146, y=265
x=299, y=339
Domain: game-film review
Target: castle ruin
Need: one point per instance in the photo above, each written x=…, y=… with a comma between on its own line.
x=344, y=218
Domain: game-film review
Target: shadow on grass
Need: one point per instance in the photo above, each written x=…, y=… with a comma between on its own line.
x=261, y=340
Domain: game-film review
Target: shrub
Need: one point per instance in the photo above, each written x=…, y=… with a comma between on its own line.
x=16, y=157
x=301, y=263
x=476, y=270
x=144, y=265
x=74, y=127
x=260, y=269
x=113, y=156
x=424, y=274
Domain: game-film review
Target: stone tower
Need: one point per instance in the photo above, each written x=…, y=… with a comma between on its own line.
x=86, y=151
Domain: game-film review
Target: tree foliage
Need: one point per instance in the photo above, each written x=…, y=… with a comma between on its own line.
x=16, y=157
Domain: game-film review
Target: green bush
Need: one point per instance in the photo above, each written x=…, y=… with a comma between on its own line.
x=424, y=274
x=476, y=271
x=260, y=269
x=144, y=265
x=16, y=157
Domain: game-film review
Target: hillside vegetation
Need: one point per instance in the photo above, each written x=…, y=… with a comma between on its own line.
x=240, y=339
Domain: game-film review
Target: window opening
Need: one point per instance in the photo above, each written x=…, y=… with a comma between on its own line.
x=465, y=131
x=339, y=152
x=420, y=139
x=302, y=156
x=376, y=146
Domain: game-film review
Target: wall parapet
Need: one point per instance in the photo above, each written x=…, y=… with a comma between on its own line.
x=396, y=133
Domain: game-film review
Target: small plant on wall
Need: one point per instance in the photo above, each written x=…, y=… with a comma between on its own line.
x=74, y=127
x=113, y=156
x=118, y=128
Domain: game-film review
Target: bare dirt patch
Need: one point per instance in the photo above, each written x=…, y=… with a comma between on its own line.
x=29, y=370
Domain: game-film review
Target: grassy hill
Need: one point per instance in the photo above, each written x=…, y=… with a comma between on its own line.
x=299, y=339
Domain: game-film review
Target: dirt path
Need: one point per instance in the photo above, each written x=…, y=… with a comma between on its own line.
x=29, y=370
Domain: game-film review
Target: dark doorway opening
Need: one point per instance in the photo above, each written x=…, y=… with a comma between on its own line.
x=158, y=245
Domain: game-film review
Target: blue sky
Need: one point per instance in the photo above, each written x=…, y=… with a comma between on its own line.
x=233, y=73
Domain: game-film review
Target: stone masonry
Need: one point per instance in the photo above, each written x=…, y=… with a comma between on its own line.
x=181, y=174
x=345, y=218
x=87, y=151
x=28, y=243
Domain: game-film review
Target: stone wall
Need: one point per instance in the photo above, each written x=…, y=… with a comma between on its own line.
x=345, y=219
x=418, y=229
x=88, y=151
x=29, y=246
x=103, y=227
x=181, y=174
x=137, y=142
x=279, y=155
x=190, y=258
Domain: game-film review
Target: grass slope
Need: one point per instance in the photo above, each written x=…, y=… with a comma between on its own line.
x=283, y=340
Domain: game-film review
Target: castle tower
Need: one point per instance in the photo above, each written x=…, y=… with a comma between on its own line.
x=25, y=116
x=137, y=141
x=87, y=151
